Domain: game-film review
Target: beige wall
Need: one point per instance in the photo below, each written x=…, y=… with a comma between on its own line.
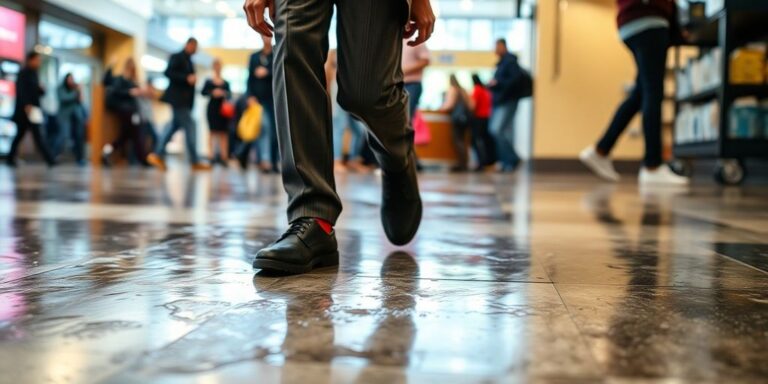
x=572, y=110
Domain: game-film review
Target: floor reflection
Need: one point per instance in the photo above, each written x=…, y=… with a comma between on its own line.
x=134, y=276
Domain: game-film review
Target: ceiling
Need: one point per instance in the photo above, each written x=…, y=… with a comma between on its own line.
x=233, y=8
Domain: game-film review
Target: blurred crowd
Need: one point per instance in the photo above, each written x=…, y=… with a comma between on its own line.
x=242, y=128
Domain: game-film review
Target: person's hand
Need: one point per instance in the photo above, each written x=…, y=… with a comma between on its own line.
x=261, y=72
x=135, y=92
x=218, y=93
x=252, y=101
x=27, y=109
x=192, y=79
x=254, y=10
x=492, y=83
x=422, y=20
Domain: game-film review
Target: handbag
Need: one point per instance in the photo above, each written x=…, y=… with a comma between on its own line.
x=227, y=110
x=422, y=135
x=249, y=126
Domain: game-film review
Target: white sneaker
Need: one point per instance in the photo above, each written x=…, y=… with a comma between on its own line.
x=602, y=166
x=661, y=176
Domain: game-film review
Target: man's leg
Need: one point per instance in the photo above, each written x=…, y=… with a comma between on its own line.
x=305, y=133
x=303, y=113
x=371, y=88
x=168, y=133
x=41, y=143
x=184, y=117
x=508, y=133
x=21, y=131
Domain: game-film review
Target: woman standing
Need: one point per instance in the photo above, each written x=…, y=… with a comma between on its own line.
x=483, y=143
x=457, y=103
x=648, y=28
x=219, y=92
x=122, y=100
x=71, y=119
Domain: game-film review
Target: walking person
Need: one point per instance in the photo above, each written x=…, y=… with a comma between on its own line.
x=648, y=28
x=27, y=113
x=370, y=79
x=123, y=102
x=482, y=141
x=504, y=88
x=457, y=104
x=181, y=96
x=259, y=90
x=219, y=92
x=71, y=118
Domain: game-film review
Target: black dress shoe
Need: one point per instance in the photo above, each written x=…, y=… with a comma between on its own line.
x=302, y=248
x=401, y=207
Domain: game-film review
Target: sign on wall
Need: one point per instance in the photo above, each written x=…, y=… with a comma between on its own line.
x=12, y=34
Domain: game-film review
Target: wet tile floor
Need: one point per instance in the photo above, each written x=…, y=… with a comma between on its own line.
x=131, y=276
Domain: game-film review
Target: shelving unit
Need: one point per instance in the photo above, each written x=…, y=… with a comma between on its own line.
x=739, y=23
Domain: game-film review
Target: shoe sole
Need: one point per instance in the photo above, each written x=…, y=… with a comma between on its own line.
x=157, y=164
x=321, y=261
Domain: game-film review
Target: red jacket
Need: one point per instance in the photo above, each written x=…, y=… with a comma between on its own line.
x=630, y=10
x=482, y=98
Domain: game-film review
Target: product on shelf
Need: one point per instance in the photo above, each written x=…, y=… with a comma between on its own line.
x=745, y=119
x=748, y=65
x=714, y=6
x=698, y=123
x=701, y=74
x=765, y=118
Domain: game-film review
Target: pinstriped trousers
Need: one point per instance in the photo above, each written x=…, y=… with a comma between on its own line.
x=370, y=38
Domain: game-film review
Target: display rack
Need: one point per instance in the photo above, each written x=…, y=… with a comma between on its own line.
x=738, y=23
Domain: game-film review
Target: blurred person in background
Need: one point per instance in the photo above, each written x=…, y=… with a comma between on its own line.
x=503, y=87
x=370, y=78
x=123, y=101
x=341, y=121
x=414, y=61
x=648, y=28
x=181, y=96
x=482, y=142
x=457, y=104
x=71, y=118
x=219, y=92
x=27, y=113
x=147, y=113
x=259, y=90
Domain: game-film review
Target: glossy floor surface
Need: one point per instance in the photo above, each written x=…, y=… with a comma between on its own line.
x=132, y=276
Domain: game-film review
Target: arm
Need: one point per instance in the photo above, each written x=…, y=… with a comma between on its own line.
x=207, y=88
x=67, y=96
x=252, y=62
x=451, y=98
x=416, y=67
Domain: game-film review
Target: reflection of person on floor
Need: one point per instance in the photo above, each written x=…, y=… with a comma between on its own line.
x=260, y=75
x=71, y=119
x=122, y=100
x=647, y=29
x=27, y=114
x=218, y=90
x=503, y=87
x=181, y=96
x=341, y=121
x=457, y=104
x=370, y=88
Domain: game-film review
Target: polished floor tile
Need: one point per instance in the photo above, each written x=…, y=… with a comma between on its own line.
x=132, y=276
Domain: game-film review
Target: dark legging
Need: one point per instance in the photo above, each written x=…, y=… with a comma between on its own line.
x=130, y=131
x=460, y=143
x=22, y=126
x=649, y=49
x=482, y=142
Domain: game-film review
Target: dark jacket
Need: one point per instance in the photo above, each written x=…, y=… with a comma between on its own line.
x=69, y=101
x=508, y=72
x=180, y=94
x=261, y=88
x=119, y=97
x=28, y=92
x=630, y=10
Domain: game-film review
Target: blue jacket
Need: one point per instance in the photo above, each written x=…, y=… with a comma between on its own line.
x=508, y=72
